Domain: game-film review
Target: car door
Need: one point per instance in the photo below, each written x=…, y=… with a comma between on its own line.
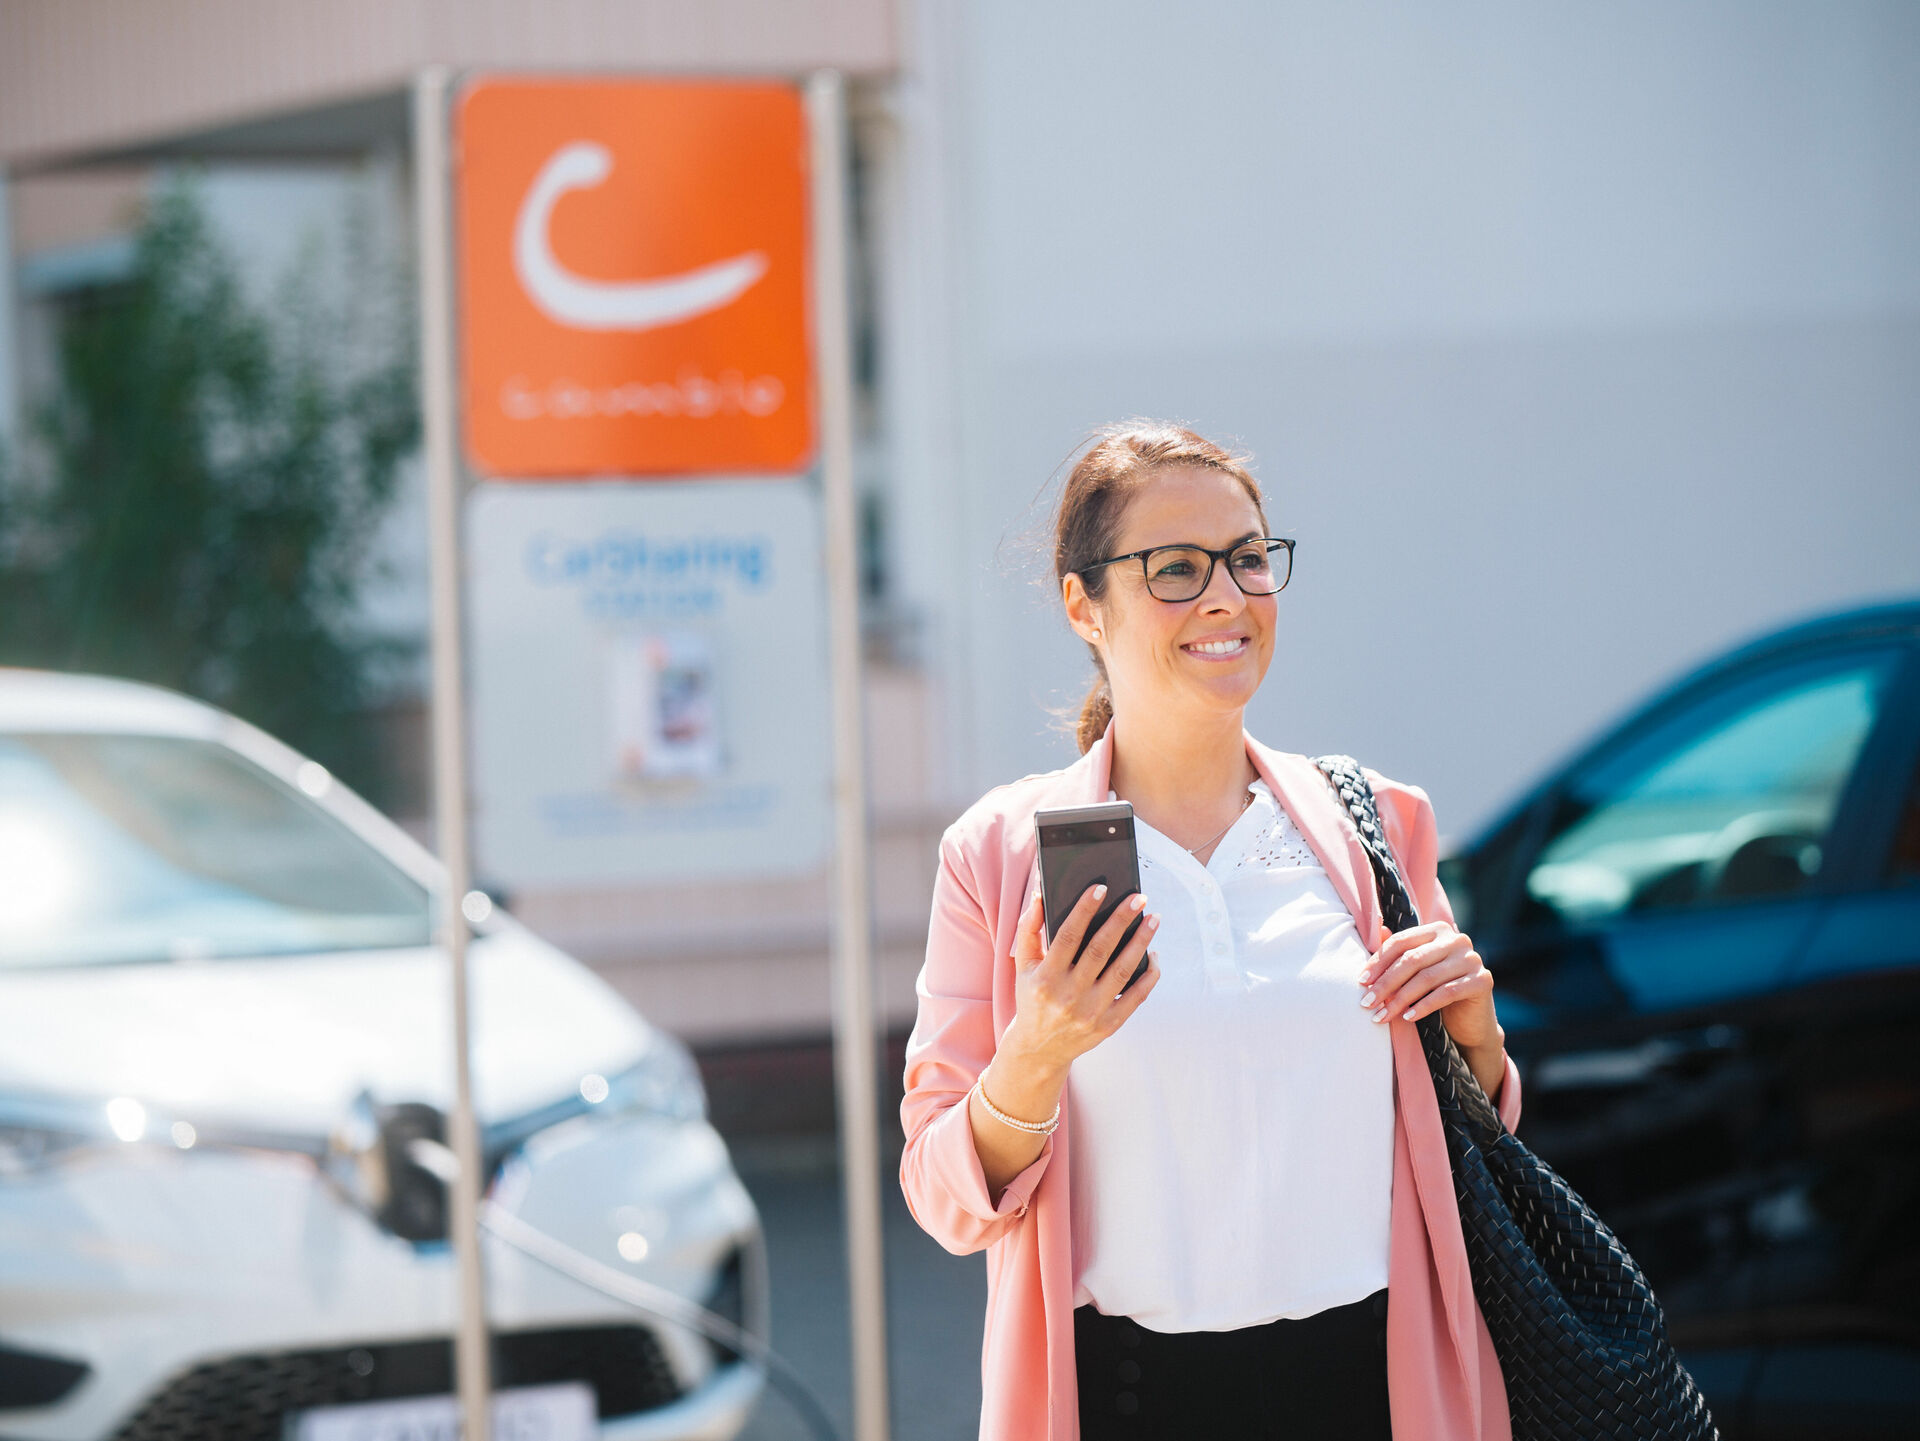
x=1657, y=896
x=1841, y=1235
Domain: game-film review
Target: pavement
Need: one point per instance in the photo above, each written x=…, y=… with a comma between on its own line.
x=935, y=1301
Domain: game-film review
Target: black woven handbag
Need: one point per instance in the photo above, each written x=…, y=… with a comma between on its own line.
x=1582, y=1341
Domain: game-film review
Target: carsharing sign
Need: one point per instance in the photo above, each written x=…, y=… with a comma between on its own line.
x=649, y=658
x=646, y=682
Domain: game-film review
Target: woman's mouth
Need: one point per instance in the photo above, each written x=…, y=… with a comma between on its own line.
x=1217, y=649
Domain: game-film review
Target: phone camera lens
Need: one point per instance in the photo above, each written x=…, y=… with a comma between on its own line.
x=1112, y=829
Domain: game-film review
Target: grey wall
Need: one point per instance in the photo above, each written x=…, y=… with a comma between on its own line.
x=1573, y=342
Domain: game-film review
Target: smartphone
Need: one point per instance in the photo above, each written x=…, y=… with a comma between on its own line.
x=1082, y=846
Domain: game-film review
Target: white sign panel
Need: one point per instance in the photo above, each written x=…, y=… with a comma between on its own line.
x=649, y=682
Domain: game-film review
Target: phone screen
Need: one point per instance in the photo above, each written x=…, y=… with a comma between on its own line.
x=1082, y=846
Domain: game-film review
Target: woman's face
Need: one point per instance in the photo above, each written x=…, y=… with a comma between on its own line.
x=1209, y=653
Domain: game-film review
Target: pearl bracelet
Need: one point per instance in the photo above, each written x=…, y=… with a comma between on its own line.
x=1034, y=1128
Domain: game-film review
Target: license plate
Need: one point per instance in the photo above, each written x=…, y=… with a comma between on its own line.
x=562, y=1412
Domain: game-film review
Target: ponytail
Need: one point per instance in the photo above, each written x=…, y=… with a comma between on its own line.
x=1096, y=712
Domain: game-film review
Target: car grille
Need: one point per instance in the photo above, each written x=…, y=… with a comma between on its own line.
x=248, y=1398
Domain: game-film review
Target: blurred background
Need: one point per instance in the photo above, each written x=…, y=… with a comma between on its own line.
x=1574, y=344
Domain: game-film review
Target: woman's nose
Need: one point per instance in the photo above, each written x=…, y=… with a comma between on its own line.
x=1221, y=593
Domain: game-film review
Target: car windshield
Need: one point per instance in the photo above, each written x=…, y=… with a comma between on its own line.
x=118, y=848
x=1730, y=800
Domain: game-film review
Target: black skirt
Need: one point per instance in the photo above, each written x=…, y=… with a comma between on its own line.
x=1321, y=1376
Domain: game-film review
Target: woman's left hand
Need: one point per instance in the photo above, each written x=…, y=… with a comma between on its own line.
x=1430, y=968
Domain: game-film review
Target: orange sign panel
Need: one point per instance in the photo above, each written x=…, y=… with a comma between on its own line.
x=633, y=277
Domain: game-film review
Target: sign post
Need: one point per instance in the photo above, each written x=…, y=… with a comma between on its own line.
x=854, y=1034
x=430, y=179
x=652, y=285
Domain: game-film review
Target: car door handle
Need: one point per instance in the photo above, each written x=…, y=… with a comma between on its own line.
x=1628, y=1065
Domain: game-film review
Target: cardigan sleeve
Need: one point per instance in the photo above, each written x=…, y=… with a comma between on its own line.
x=953, y=1039
x=1407, y=816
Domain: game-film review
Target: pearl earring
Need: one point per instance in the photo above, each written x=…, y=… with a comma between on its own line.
x=1096, y=632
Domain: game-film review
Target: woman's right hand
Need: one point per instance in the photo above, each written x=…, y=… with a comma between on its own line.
x=1063, y=1008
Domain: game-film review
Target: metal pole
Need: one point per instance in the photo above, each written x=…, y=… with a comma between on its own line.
x=854, y=1033
x=435, y=240
x=9, y=353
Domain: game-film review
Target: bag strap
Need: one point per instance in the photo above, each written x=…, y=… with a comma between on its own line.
x=1350, y=783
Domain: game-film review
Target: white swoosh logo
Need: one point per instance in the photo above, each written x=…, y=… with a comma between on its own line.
x=611, y=304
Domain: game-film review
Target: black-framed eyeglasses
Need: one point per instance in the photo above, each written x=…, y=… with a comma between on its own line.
x=1175, y=573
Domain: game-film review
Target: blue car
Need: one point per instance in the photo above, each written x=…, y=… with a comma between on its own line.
x=1706, y=931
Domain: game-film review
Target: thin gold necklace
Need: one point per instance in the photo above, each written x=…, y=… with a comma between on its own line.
x=1245, y=801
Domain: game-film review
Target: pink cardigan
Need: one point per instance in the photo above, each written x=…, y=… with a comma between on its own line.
x=1443, y=1378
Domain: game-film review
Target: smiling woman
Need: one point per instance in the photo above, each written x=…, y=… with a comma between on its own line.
x=1248, y=1117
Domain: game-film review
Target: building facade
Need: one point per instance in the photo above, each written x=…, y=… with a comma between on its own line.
x=1571, y=347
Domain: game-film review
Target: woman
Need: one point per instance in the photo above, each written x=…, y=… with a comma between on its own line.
x=1219, y=1202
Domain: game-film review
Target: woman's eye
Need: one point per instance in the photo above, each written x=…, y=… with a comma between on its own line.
x=1250, y=560
x=1174, y=569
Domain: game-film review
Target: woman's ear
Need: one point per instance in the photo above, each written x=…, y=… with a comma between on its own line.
x=1082, y=614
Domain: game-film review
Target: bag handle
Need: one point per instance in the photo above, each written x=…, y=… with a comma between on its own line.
x=1350, y=783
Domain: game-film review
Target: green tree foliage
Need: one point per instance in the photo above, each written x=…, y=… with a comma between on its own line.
x=202, y=492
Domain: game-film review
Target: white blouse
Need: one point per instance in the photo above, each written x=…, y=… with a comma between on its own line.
x=1233, y=1141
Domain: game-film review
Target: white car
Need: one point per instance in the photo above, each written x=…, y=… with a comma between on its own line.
x=223, y=1029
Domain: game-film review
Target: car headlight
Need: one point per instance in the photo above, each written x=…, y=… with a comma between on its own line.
x=665, y=1081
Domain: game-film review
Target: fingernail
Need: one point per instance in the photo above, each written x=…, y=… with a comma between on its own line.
x=1367, y=999
x=1408, y=1016
x=1380, y=1015
x=1153, y=923
x=1137, y=903
x=1099, y=893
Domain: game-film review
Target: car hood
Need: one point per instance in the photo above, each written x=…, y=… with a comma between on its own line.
x=287, y=1043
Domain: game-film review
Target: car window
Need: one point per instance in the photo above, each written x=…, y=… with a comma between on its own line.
x=1730, y=799
x=121, y=848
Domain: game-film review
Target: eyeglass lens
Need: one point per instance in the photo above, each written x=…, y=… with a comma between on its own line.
x=1180, y=572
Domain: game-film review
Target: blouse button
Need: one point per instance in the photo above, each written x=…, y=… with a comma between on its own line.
x=1213, y=915
x=1219, y=948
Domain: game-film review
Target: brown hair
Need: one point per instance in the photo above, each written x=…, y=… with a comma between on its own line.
x=1094, y=501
